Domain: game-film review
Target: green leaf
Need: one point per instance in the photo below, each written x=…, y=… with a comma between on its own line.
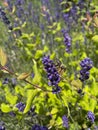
x=54, y=111
x=58, y=39
x=84, y=103
x=5, y=108
x=92, y=104
x=38, y=54
x=25, y=36
x=3, y=57
x=24, y=24
x=30, y=95
x=29, y=53
x=37, y=76
x=11, y=98
x=95, y=39
x=16, y=28
x=20, y=90
x=58, y=27
x=93, y=88
x=23, y=76
x=77, y=84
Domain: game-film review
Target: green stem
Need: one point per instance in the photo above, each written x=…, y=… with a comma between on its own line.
x=12, y=73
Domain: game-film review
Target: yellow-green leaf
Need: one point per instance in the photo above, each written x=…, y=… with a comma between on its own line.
x=3, y=57
x=30, y=96
x=37, y=76
x=11, y=98
x=95, y=39
x=77, y=84
x=5, y=108
x=23, y=76
x=54, y=111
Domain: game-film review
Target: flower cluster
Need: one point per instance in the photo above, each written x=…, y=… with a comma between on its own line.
x=4, y=18
x=20, y=106
x=52, y=73
x=91, y=116
x=65, y=121
x=67, y=40
x=86, y=65
x=38, y=127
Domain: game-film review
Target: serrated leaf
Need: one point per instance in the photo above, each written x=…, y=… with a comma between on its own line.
x=3, y=57
x=23, y=76
x=5, y=108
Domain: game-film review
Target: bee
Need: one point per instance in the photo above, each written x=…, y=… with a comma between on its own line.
x=95, y=19
x=91, y=19
x=60, y=67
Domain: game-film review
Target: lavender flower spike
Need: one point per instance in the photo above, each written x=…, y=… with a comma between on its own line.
x=91, y=116
x=52, y=73
x=86, y=65
x=65, y=121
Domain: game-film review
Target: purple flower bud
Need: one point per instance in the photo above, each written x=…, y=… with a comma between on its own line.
x=91, y=116
x=2, y=128
x=65, y=121
x=67, y=40
x=20, y=106
x=86, y=65
x=38, y=127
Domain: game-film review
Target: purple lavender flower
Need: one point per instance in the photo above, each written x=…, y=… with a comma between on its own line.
x=2, y=128
x=56, y=89
x=31, y=111
x=67, y=40
x=3, y=16
x=20, y=12
x=19, y=2
x=52, y=73
x=91, y=116
x=30, y=8
x=95, y=127
x=81, y=4
x=5, y=19
x=12, y=114
x=6, y=81
x=20, y=106
x=86, y=65
x=10, y=5
x=2, y=125
x=38, y=127
x=14, y=82
x=65, y=121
